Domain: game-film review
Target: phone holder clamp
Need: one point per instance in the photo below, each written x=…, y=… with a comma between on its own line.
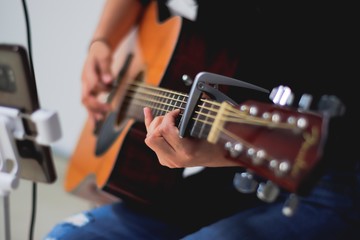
x=12, y=128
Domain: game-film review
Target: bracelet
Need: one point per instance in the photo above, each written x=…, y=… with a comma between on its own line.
x=102, y=40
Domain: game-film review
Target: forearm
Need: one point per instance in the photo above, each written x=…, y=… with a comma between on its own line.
x=117, y=19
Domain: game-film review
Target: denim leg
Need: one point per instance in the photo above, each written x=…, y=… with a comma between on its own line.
x=112, y=222
x=325, y=214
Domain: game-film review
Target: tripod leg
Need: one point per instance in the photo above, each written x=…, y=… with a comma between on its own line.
x=6, y=204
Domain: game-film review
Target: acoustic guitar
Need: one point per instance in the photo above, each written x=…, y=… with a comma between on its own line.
x=113, y=161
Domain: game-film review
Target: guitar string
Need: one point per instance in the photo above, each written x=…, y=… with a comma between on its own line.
x=233, y=112
x=264, y=160
x=237, y=116
x=142, y=95
x=145, y=99
x=234, y=115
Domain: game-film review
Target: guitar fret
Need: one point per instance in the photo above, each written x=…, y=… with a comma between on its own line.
x=157, y=105
x=168, y=102
x=151, y=103
x=160, y=101
x=202, y=120
x=178, y=102
x=202, y=128
x=183, y=104
x=175, y=101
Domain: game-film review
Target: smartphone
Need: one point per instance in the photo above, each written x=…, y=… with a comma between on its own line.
x=18, y=90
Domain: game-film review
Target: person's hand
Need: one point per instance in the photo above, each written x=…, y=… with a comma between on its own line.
x=96, y=79
x=175, y=152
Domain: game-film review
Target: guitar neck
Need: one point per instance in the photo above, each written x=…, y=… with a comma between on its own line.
x=162, y=101
x=159, y=100
x=255, y=139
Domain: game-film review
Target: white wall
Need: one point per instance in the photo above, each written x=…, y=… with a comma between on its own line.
x=60, y=32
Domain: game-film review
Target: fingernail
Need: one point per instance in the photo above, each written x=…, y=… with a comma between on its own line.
x=107, y=78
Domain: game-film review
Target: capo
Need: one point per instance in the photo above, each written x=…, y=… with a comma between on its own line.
x=202, y=85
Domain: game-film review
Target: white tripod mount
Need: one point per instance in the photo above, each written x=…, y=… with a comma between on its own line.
x=12, y=128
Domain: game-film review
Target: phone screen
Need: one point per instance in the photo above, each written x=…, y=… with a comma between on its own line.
x=18, y=90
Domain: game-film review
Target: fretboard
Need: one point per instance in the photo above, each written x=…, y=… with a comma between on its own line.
x=162, y=101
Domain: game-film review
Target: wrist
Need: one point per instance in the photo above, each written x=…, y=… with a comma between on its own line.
x=99, y=40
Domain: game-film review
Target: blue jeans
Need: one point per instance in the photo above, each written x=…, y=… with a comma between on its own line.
x=327, y=213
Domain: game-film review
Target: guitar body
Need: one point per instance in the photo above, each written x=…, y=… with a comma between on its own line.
x=125, y=167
